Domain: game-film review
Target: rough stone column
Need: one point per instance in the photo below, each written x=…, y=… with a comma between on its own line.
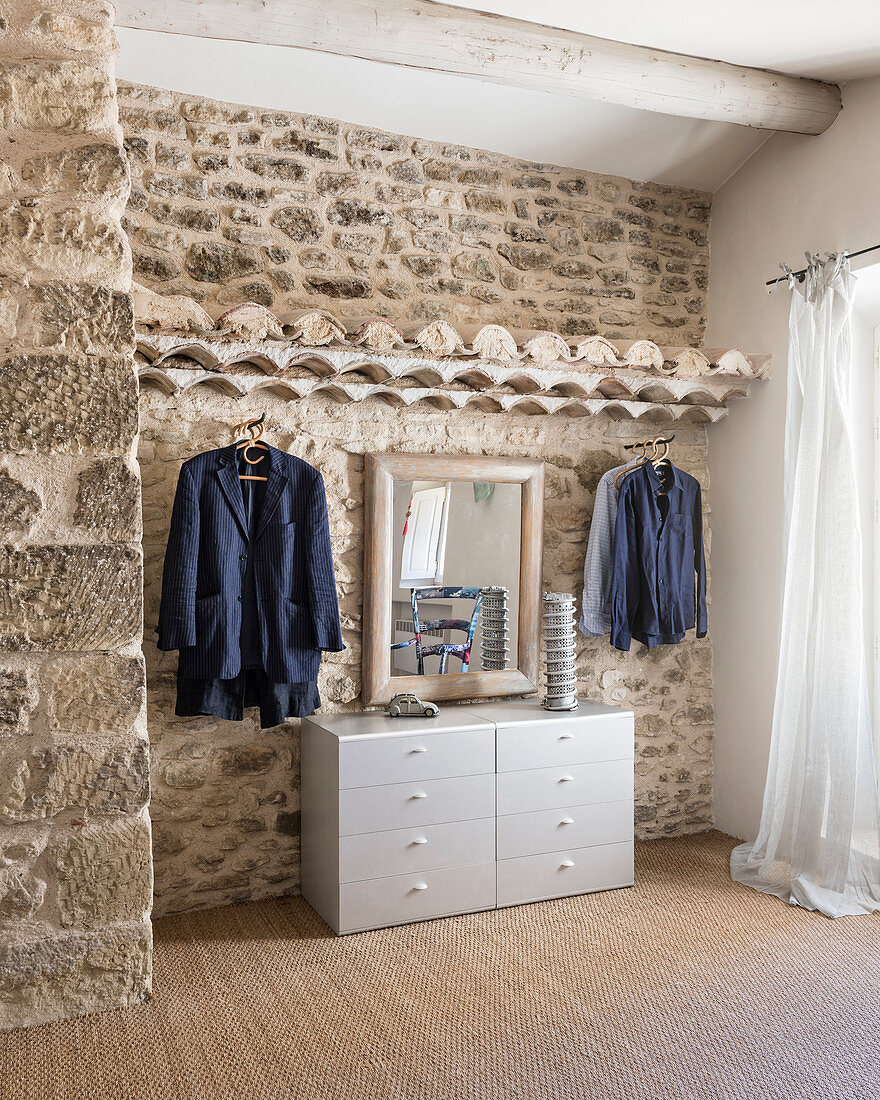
x=75, y=865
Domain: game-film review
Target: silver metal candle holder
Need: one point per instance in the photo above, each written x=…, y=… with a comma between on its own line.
x=559, y=648
x=494, y=646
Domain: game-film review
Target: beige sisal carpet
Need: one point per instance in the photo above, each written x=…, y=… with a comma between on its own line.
x=686, y=986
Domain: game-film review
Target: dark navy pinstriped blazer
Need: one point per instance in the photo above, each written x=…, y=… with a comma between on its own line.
x=208, y=549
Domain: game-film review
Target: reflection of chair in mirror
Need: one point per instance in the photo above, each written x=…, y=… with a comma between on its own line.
x=445, y=650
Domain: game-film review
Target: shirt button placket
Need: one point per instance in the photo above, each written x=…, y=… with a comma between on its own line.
x=662, y=594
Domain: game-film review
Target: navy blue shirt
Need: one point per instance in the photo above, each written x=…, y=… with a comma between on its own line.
x=658, y=584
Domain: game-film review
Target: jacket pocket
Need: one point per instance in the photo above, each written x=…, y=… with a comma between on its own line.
x=300, y=634
x=205, y=605
x=209, y=620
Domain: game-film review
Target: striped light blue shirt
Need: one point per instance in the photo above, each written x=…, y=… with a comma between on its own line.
x=599, y=562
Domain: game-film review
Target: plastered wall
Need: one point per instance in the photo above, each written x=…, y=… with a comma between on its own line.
x=759, y=220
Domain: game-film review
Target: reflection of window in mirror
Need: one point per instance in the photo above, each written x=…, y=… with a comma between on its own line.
x=424, y=534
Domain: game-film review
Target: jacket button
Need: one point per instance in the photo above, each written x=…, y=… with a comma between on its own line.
x=242, y=557
x=238, y=598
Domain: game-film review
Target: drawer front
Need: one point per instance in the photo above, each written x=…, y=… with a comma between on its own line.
x=422, y=848
x=402, y=805
x=565, y=741
x=566, y=785
x=384, y=901
x=570, y=827
x=576, y=871
x=374, y=760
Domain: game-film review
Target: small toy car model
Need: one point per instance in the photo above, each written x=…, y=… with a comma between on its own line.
x=408, y=703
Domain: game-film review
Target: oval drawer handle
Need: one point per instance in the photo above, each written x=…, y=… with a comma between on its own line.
x=566, y=779
x=420, y=886
x=567, y=821
x=566, y=736
x=420, y=840
x=419, y=794
x=420, y=749
x=567, y=863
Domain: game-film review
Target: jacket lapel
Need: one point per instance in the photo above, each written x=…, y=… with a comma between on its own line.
x=227, y=472
x=274, y=488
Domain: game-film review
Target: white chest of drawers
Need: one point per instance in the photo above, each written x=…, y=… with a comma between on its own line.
x=484, y=806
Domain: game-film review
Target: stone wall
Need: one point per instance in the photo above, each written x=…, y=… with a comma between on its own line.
x=232, y=203
x=75, y=868
x=225, y=802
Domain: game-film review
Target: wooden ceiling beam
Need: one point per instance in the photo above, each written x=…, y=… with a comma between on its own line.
x=421, y=34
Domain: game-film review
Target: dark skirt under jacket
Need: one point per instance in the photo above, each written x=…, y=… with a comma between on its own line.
x=250, y=688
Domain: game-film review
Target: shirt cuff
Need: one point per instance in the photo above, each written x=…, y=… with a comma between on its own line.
x=588, y=629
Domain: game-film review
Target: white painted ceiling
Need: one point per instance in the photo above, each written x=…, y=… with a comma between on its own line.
x=829, y=41
x=803, y=37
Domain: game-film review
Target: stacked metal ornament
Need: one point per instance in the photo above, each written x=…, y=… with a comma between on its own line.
x=494, y=645
x=559, y=649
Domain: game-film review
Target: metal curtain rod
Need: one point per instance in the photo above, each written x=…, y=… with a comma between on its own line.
x=799, y=275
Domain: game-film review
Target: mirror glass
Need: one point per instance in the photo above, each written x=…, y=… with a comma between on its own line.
x=455, y=576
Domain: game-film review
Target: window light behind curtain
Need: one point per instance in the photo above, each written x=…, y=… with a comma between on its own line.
x=818, y=844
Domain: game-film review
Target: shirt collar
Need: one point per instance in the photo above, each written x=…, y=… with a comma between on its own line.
x=654, y=478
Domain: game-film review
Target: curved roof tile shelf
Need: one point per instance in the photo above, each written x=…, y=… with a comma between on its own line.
x=249, y=350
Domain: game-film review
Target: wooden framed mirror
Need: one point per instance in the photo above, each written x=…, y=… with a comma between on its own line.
x=443, y=535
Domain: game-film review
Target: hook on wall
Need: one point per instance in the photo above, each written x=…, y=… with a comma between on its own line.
x=250, y=425
x=642, y=443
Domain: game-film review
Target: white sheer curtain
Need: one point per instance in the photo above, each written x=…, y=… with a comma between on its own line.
x=819, y=840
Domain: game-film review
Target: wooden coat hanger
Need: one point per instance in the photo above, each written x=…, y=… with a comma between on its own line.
x=663, y=460
x=640, y=461
x=255, y=429
x=665, y=456
x=643, y=457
